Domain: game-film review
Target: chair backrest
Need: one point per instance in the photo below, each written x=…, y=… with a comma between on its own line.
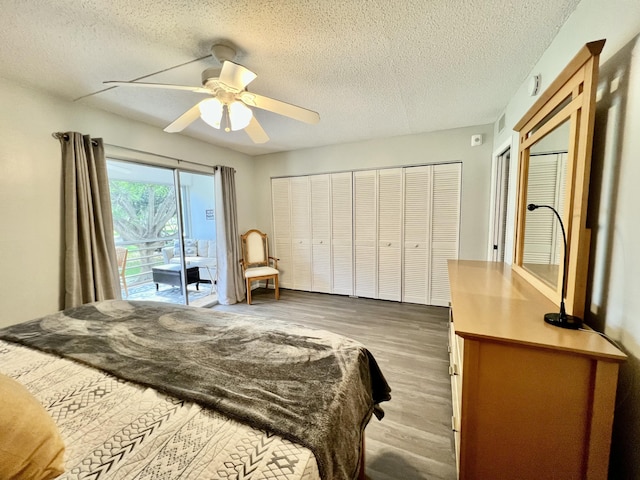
x=255, y=249
x=121, y=253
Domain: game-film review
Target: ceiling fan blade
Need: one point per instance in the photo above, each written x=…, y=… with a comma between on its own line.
x=184, y=120
x=157, y=85
x=281, y=108
x=236, y=76
x=256, y=132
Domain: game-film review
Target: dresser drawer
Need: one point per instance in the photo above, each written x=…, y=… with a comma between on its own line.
x=455, y=371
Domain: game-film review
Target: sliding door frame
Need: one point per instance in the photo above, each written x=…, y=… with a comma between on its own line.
x=176, y=170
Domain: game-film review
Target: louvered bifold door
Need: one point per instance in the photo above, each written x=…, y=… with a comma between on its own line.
x=281, y=241
x=540, y=224
x=320, y=233
x=559, y=206
x=365, y=233
x=390, y=206
x=342, y=233
x=417, y=227
x=301, y=233
x=445, y=228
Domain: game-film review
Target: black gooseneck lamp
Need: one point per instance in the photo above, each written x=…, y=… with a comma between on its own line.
x=560, y=319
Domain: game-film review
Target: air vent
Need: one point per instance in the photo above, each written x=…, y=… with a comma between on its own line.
x=501, y=122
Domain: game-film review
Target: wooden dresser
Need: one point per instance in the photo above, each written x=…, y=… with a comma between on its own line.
x=530, y=400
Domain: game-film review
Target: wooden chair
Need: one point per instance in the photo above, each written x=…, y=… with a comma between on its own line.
x=121, y=253
x=255, y=261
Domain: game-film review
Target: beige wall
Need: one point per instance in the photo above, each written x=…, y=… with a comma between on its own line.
x=31, y=239
x=436, y=147
x=614, y=276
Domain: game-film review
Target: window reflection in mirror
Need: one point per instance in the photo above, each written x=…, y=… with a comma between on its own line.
x=543, y=246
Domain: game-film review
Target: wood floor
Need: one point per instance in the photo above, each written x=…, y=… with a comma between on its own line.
x=414, y=440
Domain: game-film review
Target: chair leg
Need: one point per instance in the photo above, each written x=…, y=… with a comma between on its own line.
x=267, y=285
x=275, y=283
x=126, y=290
x=248, y=292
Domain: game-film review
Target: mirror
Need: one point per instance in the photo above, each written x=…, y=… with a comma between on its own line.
x=555, y=139
x=543, y=246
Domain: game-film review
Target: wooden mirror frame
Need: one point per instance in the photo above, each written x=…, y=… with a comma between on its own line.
x=571, y=96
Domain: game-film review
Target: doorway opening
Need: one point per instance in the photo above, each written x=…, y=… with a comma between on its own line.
x=498, y=217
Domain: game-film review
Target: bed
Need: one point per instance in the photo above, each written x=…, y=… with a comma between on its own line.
x=147, y=390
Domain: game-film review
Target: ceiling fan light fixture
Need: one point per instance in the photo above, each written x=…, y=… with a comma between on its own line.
x=211, y=112
x=239, y=115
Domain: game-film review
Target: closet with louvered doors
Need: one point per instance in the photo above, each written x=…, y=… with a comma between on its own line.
x=384, y=234
x=431, y=231
x=301, y=232
x=543, y=243
x=390, y=203
x=320, y=233
x=445, y=229
x=418, y=190
x=365, y=233
x=342, y=233
x=281, y=239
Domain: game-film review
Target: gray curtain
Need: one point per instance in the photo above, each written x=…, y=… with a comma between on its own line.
x=91, y=269
x=230, y=282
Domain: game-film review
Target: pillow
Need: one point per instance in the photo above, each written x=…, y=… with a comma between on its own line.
x=207, y=248
x=30, y=444
x=189, y=247
x=212, y=249
x=203, y=248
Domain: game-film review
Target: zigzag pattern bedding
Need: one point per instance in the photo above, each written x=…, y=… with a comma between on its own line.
x=114, y=429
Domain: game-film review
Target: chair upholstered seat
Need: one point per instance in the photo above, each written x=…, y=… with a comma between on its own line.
x=256, y=261
x=260, y=272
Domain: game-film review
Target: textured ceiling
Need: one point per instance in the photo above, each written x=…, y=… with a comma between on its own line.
x=371, y=68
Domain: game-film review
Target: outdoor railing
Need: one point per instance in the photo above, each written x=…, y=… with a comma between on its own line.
x=142, y=256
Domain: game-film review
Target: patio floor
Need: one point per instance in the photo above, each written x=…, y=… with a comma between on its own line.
x=203, y=297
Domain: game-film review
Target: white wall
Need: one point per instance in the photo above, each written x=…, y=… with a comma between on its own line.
x=436, y=147
x=31, y=234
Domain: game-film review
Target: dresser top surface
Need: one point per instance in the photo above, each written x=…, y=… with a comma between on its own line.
x=491, y=302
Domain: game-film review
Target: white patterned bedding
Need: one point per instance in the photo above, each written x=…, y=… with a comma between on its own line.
x=114, y=429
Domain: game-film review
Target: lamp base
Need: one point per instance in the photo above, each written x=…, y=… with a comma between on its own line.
x=566, y=321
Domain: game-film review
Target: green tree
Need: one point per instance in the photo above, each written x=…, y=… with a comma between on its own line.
x=143, y=210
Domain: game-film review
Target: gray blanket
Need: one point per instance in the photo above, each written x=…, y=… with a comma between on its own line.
x=313, y=387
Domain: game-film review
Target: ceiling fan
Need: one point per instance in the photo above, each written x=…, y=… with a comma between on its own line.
x=229, y=105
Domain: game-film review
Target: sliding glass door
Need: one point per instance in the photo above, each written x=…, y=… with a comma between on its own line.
x=168, y=238
x=197, y=209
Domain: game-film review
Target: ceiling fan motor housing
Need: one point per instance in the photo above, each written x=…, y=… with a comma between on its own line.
x=209, y=74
